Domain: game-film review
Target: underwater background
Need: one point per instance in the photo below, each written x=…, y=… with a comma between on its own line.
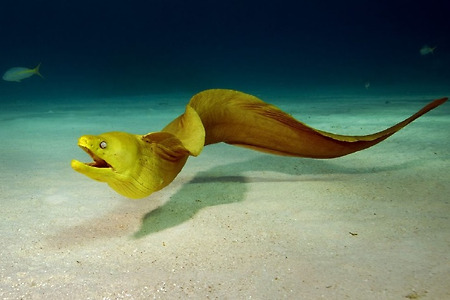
x=116, y=48
x=235, y=223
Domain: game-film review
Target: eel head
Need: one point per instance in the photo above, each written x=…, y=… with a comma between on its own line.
x=133, y=165
x=111, y=153
x=137, y=165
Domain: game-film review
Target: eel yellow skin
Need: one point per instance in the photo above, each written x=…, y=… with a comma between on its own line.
x=135, y=166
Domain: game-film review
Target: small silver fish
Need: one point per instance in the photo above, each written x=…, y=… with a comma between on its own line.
x=427, y=50
x=18, y=73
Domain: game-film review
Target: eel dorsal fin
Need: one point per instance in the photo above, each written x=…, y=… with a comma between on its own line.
x=244, y=120
x=188, y=128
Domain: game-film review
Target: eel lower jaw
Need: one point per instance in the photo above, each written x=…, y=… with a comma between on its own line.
x=97, y=161
x=97, y=169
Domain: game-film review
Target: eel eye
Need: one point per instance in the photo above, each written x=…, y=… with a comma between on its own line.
x=103, y=145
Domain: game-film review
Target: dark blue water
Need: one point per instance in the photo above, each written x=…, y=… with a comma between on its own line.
x=120, y=48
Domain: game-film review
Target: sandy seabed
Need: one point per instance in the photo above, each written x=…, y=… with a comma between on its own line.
x=235, y=224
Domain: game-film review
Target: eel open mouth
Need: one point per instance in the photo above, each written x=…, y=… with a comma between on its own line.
x=98, y=162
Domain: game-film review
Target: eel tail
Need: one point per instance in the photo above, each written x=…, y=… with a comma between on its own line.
x=244, y=120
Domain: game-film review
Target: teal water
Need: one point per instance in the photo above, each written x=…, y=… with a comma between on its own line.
x=171, y=47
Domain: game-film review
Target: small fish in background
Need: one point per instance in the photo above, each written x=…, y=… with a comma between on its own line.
x=425, y=50
x=18, y=73
x=367, y=85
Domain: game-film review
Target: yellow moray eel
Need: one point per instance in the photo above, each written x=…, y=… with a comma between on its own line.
x=135, y=166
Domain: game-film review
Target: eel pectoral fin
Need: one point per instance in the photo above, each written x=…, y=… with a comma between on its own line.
x=163, y=157
x=166, y=145
x=188, y=128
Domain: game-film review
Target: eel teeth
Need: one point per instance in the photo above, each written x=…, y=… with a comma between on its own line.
x=98, y=162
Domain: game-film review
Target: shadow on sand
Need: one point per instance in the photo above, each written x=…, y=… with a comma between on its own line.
x=218, y=185
x=227, y=184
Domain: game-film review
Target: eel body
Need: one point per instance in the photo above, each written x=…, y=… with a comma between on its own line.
x=138, y=165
